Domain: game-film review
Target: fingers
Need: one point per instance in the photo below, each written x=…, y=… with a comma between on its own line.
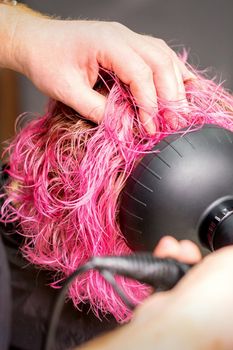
x=152, y=70
x=90, y=104
x=132, y=70
x=147, y=104
x=76, y=93
x=186, y=74
x=147, y=65
x=185, y=250
x=167, y=75
x=167, y=55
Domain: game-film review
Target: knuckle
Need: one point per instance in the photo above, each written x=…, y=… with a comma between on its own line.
x=117, y=25
x=144, y=72
x=165, y=60
x=173, y=54
x=161, y=43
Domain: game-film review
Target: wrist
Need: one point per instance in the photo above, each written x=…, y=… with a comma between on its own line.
x=6, y=34
x=189, y=327
x=16, y=32
x=171, y=324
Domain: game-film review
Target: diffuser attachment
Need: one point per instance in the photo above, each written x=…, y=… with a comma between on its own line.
x=184, y=188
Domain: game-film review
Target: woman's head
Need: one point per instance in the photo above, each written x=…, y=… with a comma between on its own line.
x=70, y=173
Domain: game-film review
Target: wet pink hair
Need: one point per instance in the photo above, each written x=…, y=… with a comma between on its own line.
x=70, y=173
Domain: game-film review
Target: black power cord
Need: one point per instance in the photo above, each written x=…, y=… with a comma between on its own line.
x=161, y=274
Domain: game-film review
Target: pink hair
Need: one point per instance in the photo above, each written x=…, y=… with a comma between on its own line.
x=70, y=173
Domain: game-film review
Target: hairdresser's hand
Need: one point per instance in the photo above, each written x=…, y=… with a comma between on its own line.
x=143, y=331
x=198, y=313
x=62, y=58
x=184, y=250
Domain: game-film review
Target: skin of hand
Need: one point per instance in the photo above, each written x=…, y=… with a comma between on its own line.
x=63, y=57
x=135, y=335
x=196, y=315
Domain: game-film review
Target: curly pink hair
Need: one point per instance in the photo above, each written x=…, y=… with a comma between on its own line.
x=70, y=173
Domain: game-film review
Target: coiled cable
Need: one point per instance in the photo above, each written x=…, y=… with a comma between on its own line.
x=161, y=274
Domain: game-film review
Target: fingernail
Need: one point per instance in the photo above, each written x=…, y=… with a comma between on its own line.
x=168, y=242
x=171, y=119
x=185, y=246
x=188, y=74
x=189, y=78
x=151, y=128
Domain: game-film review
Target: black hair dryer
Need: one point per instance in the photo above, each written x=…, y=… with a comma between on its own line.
x=185, y=189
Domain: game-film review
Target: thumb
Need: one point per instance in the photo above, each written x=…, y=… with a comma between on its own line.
x=89, y=103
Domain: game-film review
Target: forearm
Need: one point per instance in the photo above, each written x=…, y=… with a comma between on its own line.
x=167, y=321
x=159, y=334
x=126, y=337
